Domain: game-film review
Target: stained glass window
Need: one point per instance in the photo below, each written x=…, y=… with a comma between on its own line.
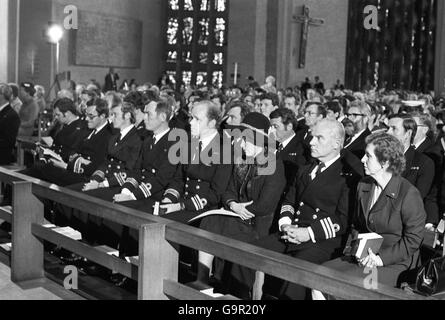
x=218, y=58
x=205, y=5
x=173, y=4
x=217, y=78
x=172, y=31
x=201, y=79
x=187, y=57
x=220, y=29
x=203, y=32
x=220, y=5
x=196, y=40
x=187, y=77
x=187, y=32
x=188, y=5
x=203, y=57
x=172, y=56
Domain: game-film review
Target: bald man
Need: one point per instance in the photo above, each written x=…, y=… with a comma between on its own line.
x=314, y=215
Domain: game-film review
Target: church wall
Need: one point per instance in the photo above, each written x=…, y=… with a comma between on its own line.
x=241, y=39
x=3, y=39
x=439, y=86
x=150, y=12
x=34, y=58
x=326, y=49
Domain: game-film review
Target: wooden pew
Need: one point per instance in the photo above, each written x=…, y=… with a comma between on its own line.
x=157, y=267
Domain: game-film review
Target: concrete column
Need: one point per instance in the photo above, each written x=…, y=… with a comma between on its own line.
x=4, y=4
x=439, y=85
x=260, y=41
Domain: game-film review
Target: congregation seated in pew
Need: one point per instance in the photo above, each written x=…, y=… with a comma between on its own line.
x=141, y=173
x=390, y=206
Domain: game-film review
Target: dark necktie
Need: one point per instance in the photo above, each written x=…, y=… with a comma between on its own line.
x=348, y=141
x=280, y=148
x=118, y=139
x=153, y=143
x=321, y=166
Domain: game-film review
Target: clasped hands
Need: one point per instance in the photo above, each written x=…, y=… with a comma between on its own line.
x=92, y=185
x=169, y=207
x=295, y=234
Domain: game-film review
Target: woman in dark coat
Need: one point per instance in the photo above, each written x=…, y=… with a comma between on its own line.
x=390, y=206
x=253, y=193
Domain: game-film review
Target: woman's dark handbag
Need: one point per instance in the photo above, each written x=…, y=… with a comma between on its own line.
x=431, y=277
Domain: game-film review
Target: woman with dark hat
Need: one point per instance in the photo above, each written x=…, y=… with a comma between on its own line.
x=257, y=184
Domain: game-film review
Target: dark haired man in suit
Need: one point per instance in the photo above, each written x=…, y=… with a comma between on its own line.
x=111, y=81
x=419, y=167
x=89, y=155
x=67, y=140
x=9, y=126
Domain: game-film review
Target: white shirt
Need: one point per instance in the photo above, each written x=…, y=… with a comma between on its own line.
x=287, y=141
x=96, y=131
x=207, y=140
x=125, y=131
x=355, y=137
x=159, y=136
x=3, y=106
x=376, y=192
x=326, y=166
x=418, y=144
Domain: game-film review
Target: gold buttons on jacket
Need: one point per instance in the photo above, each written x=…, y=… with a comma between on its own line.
x=314, y=217
x=198, y=187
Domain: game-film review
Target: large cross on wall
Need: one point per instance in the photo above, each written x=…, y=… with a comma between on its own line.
x=307, y=22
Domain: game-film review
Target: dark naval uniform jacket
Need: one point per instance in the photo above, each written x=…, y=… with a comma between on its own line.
x=68, y=139
x=92, y=148
x=293, y=158
x=9, y=128
x=420, y=171
x=358, y=146
x=198, y=185
x=121, y=157
x=153, y=170
x=322, y=204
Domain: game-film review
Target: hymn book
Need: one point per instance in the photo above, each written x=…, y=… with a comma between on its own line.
x=48, y=153
x=48, y=141
x=359, y=243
